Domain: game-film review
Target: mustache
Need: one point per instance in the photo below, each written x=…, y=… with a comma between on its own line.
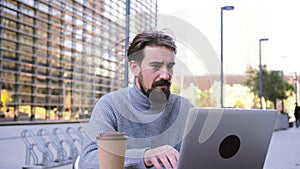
x=161, y=83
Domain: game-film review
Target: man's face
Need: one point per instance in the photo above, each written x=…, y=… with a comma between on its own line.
x=156, y=70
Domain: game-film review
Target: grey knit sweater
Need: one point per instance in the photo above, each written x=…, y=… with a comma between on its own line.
x=145, y=125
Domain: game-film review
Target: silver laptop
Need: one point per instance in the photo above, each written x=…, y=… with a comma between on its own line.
x=226, y=138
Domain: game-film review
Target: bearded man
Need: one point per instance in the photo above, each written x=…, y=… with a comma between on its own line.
x=151, y=117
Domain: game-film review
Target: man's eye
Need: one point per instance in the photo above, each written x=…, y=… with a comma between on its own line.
x=170, y=67
x=156, y=66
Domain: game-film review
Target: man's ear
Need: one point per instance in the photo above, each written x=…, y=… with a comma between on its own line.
x=134, y=67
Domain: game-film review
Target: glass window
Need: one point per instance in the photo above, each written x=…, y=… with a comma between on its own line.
x=78, y=8
x=9, y=49
x=78, y=47
x=27, y=58
x=42, y=57
x=28, y=29
x=43, y=7
x=8, y=77
x=68, y=18
x=57, y=27
x=68, y=43
x=56, y=92
x=27, y=49
x=55, y=72
x=10, y=35
x=43, y=16
x=9, y=23
x=26, y=79
x=11, y=4
x=27, y=10
x=57, y=3
x=28, y=2
x=9, y=65
x=68, y=66
x=9, y=54
x=43, y=26
x=57, y=64
x=42, y=45
x=27, y=69
x=69, y=4
x=27, y=40
x=79, y=23
x=56, y=52
x=42, y=91
x=56, y=12
x=42, y=34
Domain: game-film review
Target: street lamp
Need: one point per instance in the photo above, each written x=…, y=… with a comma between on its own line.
x=260, y=72
x=126, y=42
x=296, y=87
x=222, y=73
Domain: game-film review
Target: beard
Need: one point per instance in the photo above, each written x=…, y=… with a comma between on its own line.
x=156, y=95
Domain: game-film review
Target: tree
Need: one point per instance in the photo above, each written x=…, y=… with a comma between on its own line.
x=278, y=88
x=274, y=85
x=238, y=96
x=5, y=97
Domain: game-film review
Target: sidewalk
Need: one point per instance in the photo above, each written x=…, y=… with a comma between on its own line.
x=13, y=149
x=284, y=150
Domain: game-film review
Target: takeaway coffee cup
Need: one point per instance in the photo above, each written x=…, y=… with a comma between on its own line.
x=111, y=150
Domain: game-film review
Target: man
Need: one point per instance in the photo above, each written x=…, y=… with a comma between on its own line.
x=151, y=117
x=297, y=115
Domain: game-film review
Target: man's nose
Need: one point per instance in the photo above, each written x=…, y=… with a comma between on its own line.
x=165, y=74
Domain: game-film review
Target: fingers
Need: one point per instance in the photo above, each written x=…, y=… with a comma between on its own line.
x=173, y=159
x=165, y=161
x=164, y=155
x=156, y=163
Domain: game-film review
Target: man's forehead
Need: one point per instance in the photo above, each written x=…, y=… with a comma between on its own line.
x=159, y=49
x=158, y=53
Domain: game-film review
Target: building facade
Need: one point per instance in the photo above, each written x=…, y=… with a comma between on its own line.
x=58, y=57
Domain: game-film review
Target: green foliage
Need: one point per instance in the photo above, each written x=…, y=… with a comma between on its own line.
x=274, y=86
x=6, y=97
x=206, y=99
x=238, y=96
x=175, y=89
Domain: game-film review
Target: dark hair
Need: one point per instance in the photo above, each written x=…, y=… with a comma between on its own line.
x=149, y=38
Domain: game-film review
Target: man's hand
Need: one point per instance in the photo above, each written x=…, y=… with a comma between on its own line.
x=165, y=155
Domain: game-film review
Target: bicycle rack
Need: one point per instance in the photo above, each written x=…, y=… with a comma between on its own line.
x=48, y=138
x=80, y=132
x=47, y=149
x=31, y=141
x=77, y=137
x=73, y=151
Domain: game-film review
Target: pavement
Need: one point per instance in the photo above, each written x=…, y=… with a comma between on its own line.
x=283, y=153
x=284, y=150
x=12, y=147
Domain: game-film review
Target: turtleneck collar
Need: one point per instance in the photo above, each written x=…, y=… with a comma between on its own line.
x=141, y=102
x=138, y=99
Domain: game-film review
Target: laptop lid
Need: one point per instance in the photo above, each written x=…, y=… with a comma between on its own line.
x=226, y=138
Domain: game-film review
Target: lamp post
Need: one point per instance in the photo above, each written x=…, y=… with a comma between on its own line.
x=260, y=72
x=296, y=87
x=222, y=73
x=126, y=42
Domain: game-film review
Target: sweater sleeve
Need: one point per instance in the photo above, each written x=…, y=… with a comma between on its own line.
x=135, y=163
x=103, y=119
x=89, y=158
